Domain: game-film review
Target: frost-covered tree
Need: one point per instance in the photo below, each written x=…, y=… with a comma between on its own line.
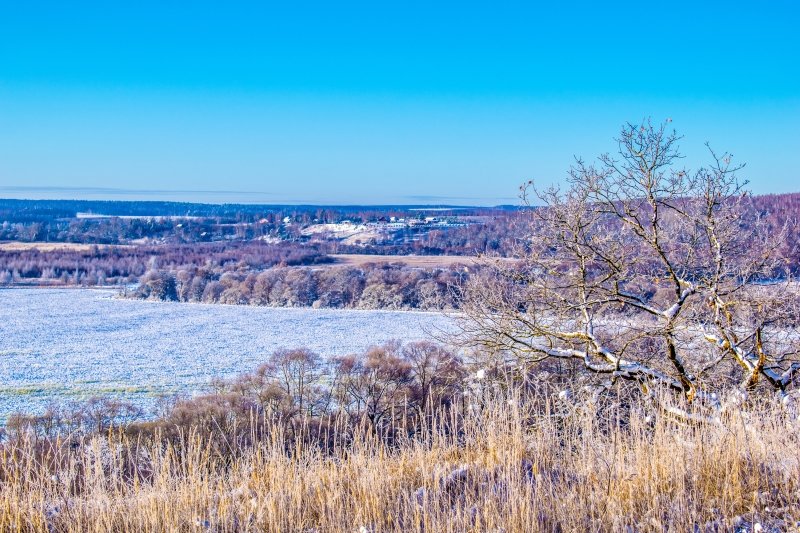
x=645, y=272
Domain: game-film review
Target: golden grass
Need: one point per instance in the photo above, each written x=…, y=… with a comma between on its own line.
x=509, y=469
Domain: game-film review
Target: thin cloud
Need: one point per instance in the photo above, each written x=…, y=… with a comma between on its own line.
x=119, y=191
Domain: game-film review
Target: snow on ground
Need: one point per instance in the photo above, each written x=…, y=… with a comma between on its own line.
x=71, y=344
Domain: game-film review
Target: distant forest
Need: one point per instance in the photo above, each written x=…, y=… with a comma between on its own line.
x=265, y=255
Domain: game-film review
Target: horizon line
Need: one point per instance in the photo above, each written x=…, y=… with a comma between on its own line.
x=111, y=194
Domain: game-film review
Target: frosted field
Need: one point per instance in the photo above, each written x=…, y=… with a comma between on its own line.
x=71, y=344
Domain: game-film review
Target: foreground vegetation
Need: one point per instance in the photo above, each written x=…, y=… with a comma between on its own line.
x=506, y=462
x=404, y=438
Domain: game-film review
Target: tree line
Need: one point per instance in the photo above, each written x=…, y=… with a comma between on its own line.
x=119, y=265
x=372, y=286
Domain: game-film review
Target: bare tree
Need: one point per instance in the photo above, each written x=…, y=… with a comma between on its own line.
x=298, y=372
x=643, y=271
x=376, y=384
x=437, y=372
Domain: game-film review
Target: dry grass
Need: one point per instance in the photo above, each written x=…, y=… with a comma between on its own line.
x=508, y=469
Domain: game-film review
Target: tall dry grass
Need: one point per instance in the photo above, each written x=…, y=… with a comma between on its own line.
x=512, y=466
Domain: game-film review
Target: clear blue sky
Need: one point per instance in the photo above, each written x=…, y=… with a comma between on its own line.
x=379, y=102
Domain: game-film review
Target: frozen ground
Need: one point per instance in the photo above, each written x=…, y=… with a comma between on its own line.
x=71, y=344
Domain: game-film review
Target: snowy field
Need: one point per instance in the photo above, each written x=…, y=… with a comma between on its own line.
x=71, y=344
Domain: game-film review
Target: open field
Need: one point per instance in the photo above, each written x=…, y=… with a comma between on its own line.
x=60, y=344
x=52, y=246
x=421, y=261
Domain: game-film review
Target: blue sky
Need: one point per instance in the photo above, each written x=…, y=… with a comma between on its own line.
x=379, y=102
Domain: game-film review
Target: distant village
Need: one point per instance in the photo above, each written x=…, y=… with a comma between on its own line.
x=158, y=223
x=362, y=233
